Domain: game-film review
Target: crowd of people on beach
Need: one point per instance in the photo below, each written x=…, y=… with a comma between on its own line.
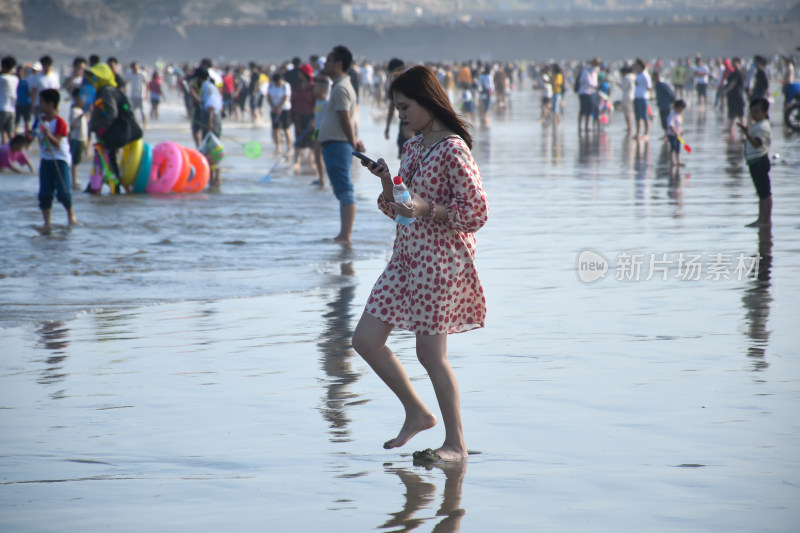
x=430, y=285
x=293, y=94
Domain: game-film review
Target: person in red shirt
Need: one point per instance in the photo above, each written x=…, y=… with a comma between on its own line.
x=303, y=102
x=227, y=91
x=154, y=88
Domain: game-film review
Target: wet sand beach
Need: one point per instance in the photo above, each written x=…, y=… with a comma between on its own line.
x=183, y=362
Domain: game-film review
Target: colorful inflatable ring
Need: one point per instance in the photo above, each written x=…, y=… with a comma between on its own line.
x=143, y=174
x=202, y=171
x=166, y=168
x=131, y=157
x=186, y=172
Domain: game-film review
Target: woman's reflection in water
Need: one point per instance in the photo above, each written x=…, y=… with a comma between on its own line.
x=757, y=299
x=421, y=494
x=336, y=354
x=53, y=338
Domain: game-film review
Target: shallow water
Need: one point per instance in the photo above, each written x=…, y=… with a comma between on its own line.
x=184, y=362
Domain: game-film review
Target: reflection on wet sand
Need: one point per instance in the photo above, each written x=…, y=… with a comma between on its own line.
x=335, y=344
x=588, y=151
x=53, y=338
x=641, y=162
x=757, y=299
x=421, y=494
x=734, y=159
x=557, y=148
x=666, y=176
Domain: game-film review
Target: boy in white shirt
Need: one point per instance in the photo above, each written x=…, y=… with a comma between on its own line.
x=674, y=133
x=758, y=138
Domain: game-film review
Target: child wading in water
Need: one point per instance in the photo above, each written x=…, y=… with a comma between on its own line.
x=322, y=86
x=54, y=171
x=430, y=285
x=756, y=152
x=674, y=132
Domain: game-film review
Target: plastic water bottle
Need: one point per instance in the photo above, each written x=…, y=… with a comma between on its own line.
x=401, y=195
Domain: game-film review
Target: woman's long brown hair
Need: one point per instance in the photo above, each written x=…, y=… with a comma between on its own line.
x=421, y=85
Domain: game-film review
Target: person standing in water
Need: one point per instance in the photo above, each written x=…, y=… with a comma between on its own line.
x=758, y=137
x=337, y=135
x=430, y=286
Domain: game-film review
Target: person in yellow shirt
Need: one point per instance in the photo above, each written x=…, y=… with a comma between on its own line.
x=557, y=81
x=464, y=76
x=678, y=78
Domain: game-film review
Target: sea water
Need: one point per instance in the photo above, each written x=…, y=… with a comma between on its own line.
x=184, y=361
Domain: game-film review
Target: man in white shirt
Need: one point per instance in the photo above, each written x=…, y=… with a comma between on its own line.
x=641, y=98
x=8, y=98
x=587, y=92
x=211, y=103
x=701, y=82
x=47, y=79
x=279, y=95
x=137, y=90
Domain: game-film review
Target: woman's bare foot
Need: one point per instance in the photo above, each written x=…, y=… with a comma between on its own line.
x=447, y=454
x=451, y=453
x=411, y=427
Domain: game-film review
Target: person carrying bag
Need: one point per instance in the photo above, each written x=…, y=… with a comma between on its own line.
x=112, y=119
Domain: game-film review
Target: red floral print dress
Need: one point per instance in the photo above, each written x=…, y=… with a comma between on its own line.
x=430, y=285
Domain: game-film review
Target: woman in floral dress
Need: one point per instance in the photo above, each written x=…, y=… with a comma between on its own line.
x=430, y=286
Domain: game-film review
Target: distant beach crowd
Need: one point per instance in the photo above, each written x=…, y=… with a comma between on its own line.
x=474, y=87
x=292, y=96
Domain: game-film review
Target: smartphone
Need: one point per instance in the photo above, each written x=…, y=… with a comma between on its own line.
x=367, y=159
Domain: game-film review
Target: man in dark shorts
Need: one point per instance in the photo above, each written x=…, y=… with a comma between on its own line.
x=587, y=92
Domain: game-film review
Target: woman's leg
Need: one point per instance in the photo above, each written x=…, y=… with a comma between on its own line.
x=432, y=353
x=369, y=341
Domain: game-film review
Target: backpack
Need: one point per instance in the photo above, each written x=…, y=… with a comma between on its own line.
x=576, y=85
x=124, y=129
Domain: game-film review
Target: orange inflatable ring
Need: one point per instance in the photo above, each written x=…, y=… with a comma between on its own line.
x=186, y=171
x=202, y=172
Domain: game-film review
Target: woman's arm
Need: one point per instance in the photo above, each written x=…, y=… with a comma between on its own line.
x=467, y=209
x=386, y=198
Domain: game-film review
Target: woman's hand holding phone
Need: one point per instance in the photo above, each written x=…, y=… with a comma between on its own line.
x=378, y=168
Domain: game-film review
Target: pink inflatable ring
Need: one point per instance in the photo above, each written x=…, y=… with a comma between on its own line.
x=167, y=167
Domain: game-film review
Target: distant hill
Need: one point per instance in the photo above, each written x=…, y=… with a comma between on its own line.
x=245, y=30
